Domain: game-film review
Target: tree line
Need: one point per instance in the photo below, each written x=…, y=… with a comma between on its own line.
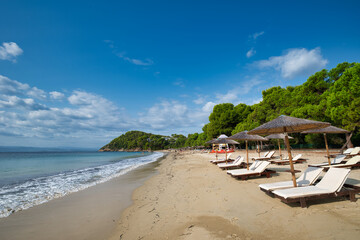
x=328, y=95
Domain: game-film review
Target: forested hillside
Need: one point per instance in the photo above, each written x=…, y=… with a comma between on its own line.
x=331, y=96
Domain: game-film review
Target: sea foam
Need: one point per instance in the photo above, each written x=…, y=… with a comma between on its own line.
x=17, y=197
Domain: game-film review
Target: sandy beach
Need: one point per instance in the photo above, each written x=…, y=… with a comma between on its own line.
x=90, y=214
x=183, y=196
x=193, y=199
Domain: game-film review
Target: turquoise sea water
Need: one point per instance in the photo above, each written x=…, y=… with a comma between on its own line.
x=28, y=179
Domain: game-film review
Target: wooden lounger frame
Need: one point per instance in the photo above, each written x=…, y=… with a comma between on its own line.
x=266, y=173
x=284, y=162
x=224, y=161
x=357, y=165
x=242, y=165
x=347, y=190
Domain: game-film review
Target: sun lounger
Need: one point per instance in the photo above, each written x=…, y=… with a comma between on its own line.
x=296, y=159
x=355, y=151
x=263, y=156
x=331, y=185
x=337, y=160
x=351, y=163
x=239, y=162
x=267, y=157
x=348, y=151
x=259, y=169
x=221, y=160
x=309, y=177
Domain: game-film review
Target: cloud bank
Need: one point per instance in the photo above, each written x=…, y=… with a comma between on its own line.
x=295, y=62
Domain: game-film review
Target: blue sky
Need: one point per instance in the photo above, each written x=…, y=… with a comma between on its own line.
x=79, y=73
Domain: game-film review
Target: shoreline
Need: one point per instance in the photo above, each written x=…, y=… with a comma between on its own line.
x=91, y=213
x=192, y=199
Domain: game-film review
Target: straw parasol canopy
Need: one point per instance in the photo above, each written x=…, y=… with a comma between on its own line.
x=222, y=136
x=289, y=124
x=245, y=136
x=286, y=124
x=330, y=129
x=211, y=141
x=278, y=136
x=224, y=141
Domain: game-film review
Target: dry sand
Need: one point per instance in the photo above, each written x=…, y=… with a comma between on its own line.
x=193, y=199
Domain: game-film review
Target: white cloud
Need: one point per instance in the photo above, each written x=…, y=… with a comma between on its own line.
x=256, y=35
x=179, y=82
x=56, y=95
x=83, y=117
x=13, y=87
x=146, y=62
x=199, y=100
x=9, y=51
x=208, y=107
x=296, y=62
x=250, y=53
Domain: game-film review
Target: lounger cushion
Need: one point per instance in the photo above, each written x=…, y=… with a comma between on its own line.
x=307, y=178
x=333, y=181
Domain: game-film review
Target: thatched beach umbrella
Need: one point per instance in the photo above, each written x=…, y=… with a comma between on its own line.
x=330, y=129
x=245, y=136
x=278, y=137
x=285, y=124
x=225, y=141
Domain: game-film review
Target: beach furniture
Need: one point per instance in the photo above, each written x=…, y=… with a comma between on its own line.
x=351, y=163
x=296, y=159
x=264, y=155
x=348, y=151
x=221, y=160
x=309, y=177
x=267, y=157
x=258, y=168
x=355, y=151
x=239, y=162
x=337, y=160
x=331, y=185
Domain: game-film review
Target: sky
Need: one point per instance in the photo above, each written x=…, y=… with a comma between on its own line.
x=79, y=73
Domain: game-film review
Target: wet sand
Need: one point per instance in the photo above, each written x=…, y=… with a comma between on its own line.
x=89, y=214
x=193, y=199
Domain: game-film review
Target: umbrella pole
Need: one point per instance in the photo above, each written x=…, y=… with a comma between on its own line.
x=290, y=158
x=247, y=155
x=225, y=156
x=279, y=149
x=327, y=149
x=258, y=148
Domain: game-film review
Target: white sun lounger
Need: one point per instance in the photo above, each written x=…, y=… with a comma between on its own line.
x=310, y=175
x=296, y=159
x=348, y=151
x=220, y=160
x=263, y=156
x=267, y=157
x=329, y=186
x=237, y=163
x=355, y=151
x=352, y=162
x=337, y=160
x=258, y=169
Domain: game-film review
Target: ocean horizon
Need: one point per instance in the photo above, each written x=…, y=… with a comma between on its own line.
x=28, y=179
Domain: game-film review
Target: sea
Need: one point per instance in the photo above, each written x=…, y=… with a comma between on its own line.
x=32, y=178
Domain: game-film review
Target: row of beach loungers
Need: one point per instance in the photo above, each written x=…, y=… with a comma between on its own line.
x=332, y=184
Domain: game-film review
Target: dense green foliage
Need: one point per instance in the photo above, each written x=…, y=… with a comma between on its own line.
x=332, y=96
x=136, y=140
